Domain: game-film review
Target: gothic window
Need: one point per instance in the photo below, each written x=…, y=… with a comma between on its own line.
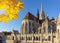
x=22, y=38
x=54, y=36
x=49, y=29
x=49, y=38
x=29, y=27
x=12, y=38
x=34, y=30
x=53, y=27
x=36, y=38
x=29, y=38
x=26, y=27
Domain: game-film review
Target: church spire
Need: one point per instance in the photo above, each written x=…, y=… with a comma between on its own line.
x=42, y=15
x=41, y=7
x=37, y=14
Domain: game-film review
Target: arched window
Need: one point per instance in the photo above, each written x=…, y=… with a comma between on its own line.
x=13, y=38
x=49, y=38
x=49, y=29
x=37, y=38
x=29, y=38
x=34, y=30
x=22, y=38
x=54, y=36
x=26, y=27
x=30, y=27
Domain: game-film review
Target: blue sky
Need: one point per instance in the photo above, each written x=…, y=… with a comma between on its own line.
x=50, y=7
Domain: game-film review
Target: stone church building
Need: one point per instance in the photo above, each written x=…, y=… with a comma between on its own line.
x=35, y=29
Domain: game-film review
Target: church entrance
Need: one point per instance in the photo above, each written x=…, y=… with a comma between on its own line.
x=0, y=39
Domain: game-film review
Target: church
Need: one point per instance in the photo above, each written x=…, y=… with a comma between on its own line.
x=35, y=29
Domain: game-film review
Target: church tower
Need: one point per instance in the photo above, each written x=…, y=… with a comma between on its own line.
x=42, y=15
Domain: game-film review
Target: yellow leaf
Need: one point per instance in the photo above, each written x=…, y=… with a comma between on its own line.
x=11, y=7
x=5, y=19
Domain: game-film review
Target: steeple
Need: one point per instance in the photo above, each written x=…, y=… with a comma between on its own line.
x=41, y=7
x=37, y=14
x=58, y=18
x=42, y=15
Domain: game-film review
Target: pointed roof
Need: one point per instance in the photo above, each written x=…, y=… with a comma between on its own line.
x=41, y=7
x=29, y=16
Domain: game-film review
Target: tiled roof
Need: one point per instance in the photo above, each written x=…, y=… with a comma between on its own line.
x=32, y=17
x=29, y=16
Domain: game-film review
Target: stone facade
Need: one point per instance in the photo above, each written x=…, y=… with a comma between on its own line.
x=35, y=29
